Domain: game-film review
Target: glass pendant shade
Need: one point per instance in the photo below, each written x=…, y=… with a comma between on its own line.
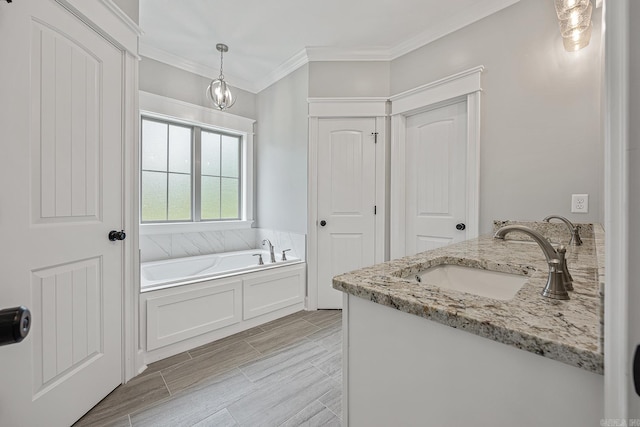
x=219, y=92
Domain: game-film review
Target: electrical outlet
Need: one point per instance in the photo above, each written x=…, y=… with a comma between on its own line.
x=580, y=203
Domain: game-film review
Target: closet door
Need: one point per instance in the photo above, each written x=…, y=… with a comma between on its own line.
x=61, y=195
x=346, y=201
x=435, y=168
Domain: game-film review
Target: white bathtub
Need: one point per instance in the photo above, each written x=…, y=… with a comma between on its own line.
x=178, y=271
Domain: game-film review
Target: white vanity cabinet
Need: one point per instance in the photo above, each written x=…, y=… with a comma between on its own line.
x=404, y=370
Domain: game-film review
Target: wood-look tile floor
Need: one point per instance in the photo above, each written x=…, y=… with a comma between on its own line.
x=284, y=373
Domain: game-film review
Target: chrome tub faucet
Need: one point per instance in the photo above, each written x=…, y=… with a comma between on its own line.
x=273, y=256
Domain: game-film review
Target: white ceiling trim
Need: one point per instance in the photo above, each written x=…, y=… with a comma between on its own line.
x=479, y=11
x=193, y=67
x=348, y=54
x=284, y=69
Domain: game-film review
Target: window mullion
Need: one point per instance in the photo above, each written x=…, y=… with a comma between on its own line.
x=220, y=181
x=197, y=180
x=168, y=152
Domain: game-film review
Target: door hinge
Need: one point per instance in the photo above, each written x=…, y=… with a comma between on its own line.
x=375, y=210
x=375, y=137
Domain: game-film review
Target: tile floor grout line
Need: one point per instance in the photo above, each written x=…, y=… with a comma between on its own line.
x=303, y=339
x=165, y=383
x=329, y=409
x=294, y=415
x=231, y=415
x=249, y=344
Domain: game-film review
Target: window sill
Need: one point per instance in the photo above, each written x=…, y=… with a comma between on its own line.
x=192, y=227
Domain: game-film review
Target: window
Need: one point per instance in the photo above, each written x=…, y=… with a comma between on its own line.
x=189, y=173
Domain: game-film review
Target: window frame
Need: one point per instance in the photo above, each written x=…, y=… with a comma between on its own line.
x=168, y=110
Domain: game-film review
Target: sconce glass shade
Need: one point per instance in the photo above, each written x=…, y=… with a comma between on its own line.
x=576, y=23
x=565, y=8
x=578, y=40
x=219, y=93
x=574, y=18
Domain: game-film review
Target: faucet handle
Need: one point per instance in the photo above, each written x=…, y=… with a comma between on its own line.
x=260, y=262
x=575, y=239
x=284, y=256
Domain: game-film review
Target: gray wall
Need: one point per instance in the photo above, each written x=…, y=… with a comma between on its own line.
x=540, y=129
x=349, y=78
x=634, y=192
x=131, y=8
x=166, y=80
x=281, y=154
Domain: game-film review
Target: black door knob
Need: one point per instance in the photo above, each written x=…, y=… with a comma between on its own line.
x=636, y=370
x=460, y=226
x=117, y=235
x=14, y=324
x=323, y=223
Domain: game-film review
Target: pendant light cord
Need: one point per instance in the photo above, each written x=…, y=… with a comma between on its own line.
x=221, y=77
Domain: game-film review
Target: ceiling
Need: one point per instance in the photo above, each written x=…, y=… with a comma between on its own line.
x=268, y=39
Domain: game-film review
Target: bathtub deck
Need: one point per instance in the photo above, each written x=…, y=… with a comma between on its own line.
x=285, y=372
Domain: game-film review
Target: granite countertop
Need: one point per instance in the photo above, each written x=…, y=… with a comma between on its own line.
x=567, y=331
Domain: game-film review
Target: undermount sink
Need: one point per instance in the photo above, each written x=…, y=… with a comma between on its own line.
x=485, y=283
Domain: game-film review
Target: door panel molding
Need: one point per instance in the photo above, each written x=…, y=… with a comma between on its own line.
x=346, y=107
x=463, y=85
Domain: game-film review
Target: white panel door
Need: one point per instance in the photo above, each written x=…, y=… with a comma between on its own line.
x=61, y=194
x=435, y=177
x=346, y=200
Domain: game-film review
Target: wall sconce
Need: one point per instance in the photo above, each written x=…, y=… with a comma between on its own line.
x=574, y=17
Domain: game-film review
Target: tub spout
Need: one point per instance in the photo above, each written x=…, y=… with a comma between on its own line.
x=273, y=255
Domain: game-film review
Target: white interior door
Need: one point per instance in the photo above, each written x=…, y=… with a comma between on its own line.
x=61, y=194
x=436, y=178
x=346, y=200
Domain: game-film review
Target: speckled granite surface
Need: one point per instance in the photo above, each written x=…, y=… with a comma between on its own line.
x=567, y=331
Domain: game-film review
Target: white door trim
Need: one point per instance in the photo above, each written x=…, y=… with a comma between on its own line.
x=344, y=107
x=105, y=17
x=460, y=85
x=616, y=209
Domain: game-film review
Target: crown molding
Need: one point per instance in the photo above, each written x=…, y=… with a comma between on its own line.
x=473, y=14
x=348, y=54
x=163, y=56
x=283, y=70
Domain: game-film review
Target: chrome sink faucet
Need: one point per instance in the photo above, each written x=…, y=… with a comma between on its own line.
x=574, y=230
x=273, y=256
x=554, y=287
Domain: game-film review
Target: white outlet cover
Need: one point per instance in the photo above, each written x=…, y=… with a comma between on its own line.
x=579, y=203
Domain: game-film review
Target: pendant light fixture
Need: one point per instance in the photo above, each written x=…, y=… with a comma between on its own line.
x=219, y=92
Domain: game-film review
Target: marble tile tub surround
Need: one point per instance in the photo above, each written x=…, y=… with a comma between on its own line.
x=155, y=247
x=566, y=331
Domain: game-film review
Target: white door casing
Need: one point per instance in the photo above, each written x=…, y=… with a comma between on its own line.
x=460, y=86
x=62, y=173
x=341, y=108
x=435, y=177
x=346, y=201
